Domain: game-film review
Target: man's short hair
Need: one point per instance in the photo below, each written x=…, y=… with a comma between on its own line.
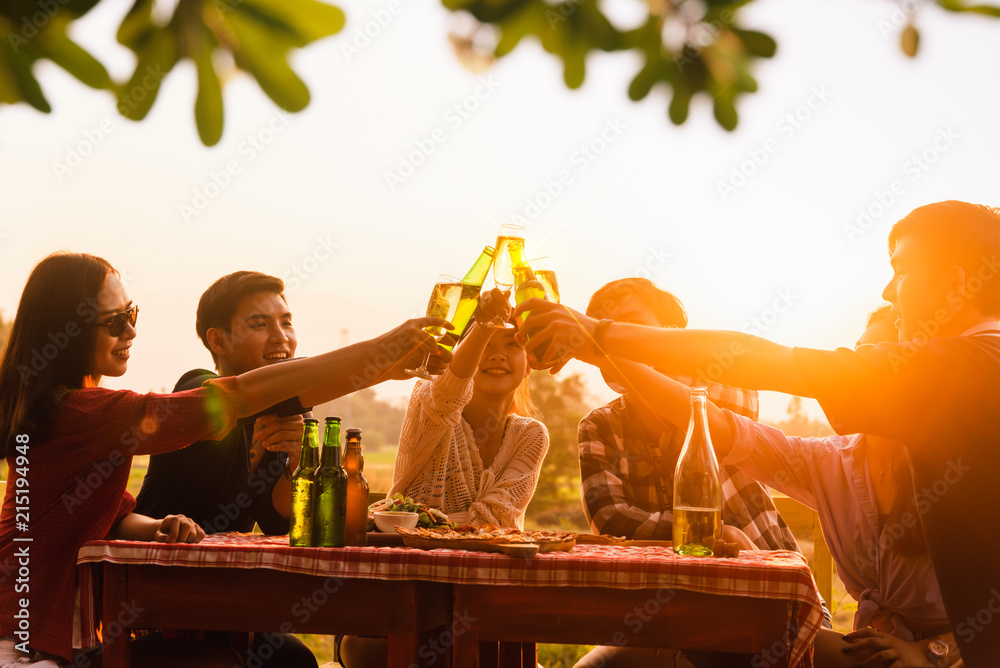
x=666, y=308
x=963, y=234
x=217, y=305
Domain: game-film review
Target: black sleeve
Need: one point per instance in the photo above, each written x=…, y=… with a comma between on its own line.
x=262, y=482
x=898, y=390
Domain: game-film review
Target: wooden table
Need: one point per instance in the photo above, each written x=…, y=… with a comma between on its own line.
x=441, y=604
x=516, y=618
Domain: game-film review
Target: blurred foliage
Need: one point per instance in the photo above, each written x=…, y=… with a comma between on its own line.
x=690, y=46
x=561, y=403
x=219, y=36
x=380, y=421
x=798, y=422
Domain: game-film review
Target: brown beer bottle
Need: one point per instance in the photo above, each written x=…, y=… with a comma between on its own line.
x=357, y=491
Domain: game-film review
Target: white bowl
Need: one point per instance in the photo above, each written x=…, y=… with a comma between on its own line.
x=388, y=520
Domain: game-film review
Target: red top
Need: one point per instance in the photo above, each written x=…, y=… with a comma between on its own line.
x=76, y=492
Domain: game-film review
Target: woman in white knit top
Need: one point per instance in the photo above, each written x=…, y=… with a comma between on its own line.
x=467, y=446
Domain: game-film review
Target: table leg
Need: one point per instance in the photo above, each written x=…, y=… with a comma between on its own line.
x=402, y=642
x=512, y=655
x=115, y=640
x=529, y=655
x=489, y=655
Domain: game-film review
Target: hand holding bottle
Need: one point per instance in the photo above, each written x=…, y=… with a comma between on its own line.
x=494, y=305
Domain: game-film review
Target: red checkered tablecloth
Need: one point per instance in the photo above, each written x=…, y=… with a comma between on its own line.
x=778, y=575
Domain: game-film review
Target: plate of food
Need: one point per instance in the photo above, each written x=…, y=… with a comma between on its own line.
x=488, y=538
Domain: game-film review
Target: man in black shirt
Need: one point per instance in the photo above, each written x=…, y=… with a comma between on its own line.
x=243, y=479
x=937, y=391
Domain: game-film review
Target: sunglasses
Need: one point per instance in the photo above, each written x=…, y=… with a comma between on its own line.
x=116, y=325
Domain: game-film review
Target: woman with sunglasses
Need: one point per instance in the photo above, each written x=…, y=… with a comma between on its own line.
x=72, y=442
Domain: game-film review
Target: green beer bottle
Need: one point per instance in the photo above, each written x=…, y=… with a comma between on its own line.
x=526, y=284
x=472, y=284
x=300, y=531
x=331, y=481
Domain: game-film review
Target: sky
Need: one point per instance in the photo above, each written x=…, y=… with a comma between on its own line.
x=405, y=163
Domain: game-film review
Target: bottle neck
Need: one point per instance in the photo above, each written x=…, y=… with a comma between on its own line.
x=477, y=274
x=331, y=455
x=309, y=454
x=353, y=457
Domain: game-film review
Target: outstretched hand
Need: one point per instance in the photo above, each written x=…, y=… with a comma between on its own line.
x=493, y=305
x=553, y=334
x=405, y=347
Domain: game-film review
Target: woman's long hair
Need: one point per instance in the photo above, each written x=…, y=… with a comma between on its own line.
x=51, y=342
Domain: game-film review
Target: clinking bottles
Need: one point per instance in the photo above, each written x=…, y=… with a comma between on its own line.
x=300, y=532
x=472, y=285
x=331, y=491
x=697, y=486
x=357, y=491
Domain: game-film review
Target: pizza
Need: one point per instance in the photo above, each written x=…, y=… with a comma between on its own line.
x=487, y=533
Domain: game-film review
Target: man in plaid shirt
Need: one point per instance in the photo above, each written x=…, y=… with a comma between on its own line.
x=627, y=458
x=628, y=453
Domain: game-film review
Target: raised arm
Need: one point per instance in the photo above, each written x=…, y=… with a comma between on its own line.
x=671, y=400
x=733, y=358
x=324, y=377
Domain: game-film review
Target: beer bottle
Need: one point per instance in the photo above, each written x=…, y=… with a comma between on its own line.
x=357, y=490
x=472, y=285
x=300, y=532
x=526, y=284
x=697, y=486
x=331, y=483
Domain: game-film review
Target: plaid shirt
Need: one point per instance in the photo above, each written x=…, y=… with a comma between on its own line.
x=628, y=476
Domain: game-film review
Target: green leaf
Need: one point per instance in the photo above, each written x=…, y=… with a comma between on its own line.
x=156, y=58
x=137, y=26
x=66, y=53
x=958, y=6
x=757, y=43
x=208, y=110
x=644, y=80
x=25, y=85
x=680, y=104
x=308, y=19
x=262, y=54
x=909, y=40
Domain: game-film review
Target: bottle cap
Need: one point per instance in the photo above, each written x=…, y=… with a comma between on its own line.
x=310, y=421
x=353, y=431
x=333, y=418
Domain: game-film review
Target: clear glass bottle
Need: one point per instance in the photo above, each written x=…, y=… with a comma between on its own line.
x=697, y=486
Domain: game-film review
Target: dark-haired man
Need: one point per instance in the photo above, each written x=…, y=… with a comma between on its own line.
x=628, y=451
x=936, y=391
x=229, y=485
x=245, y=323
